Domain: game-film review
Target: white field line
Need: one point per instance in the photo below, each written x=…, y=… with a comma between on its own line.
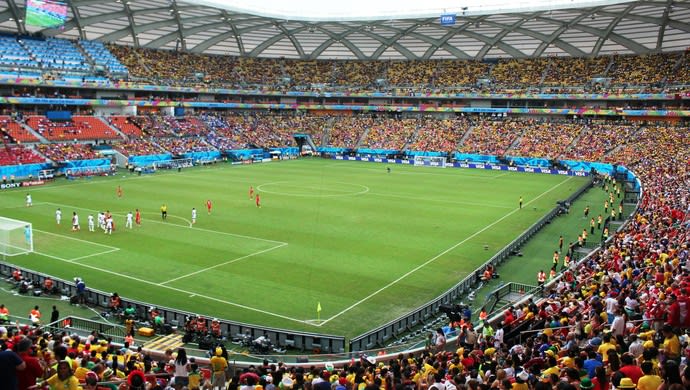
x=180, y=226
x=439, y=255
x=74, y=260
x=77, y=239
x=224, y=263
x=190, y=293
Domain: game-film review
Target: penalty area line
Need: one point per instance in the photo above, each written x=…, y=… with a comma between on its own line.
x=77, y=239
x=189, y=293
x=489, y=226
x=223, y=263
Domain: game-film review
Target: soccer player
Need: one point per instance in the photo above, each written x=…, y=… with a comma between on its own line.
x=164, y=211
x=128, y=222
x=101, y=220
x=388, y=169
x=92, y=225
x=58, y=215
x=27, y=234
x=251, y=192
x=587, y=211
x=208, y=206
x=560, y=244
x=193, y=215
x=137, y=217
x=75, y=221
x=520, y=201
x=29, y=202
x=258, y=200
x=109, y=225
x=119, y=192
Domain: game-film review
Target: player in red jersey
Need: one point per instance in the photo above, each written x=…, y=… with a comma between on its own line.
x=251, y=192
x=137, y=217
x=258, y=200
x=208, y=206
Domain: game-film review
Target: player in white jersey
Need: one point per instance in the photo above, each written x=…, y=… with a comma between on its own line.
x=58, y=215
x=92, y=225
x=101, y=220
x=193, y=215
x=130, y=218
x=109, y=225
x=29, y=202
x=75, y=221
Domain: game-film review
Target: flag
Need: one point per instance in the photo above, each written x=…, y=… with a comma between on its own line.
x=318, y=307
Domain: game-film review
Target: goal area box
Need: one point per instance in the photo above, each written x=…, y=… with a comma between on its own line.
x=16, y=237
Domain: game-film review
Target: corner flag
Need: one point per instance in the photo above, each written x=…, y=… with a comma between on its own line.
x=318, y=311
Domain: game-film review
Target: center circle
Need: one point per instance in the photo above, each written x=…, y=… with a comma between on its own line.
x=323, y=189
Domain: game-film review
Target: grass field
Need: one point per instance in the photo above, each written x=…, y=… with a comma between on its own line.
x=368, y=245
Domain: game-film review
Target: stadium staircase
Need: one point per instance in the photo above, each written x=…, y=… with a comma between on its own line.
x=609, y=66
x=516, y=142
x=464, y=137
x=362, y=138
x=573, y=143
x=326, y=135
x=507, y=294
x=162, y=343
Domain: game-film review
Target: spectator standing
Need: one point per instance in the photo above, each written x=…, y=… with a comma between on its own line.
x=10, y=363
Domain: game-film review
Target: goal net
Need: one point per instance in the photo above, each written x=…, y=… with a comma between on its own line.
x=16, y=237
x=430, y=161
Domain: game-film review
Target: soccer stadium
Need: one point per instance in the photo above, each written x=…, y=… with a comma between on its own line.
x=357, y=196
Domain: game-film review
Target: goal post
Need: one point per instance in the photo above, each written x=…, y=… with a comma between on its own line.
x=430, y=161
x=16, y=237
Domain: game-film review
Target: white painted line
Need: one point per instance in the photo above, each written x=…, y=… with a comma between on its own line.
x=74, y=260
x=190, y=293
x=224, y=263
x=181, y=226
x=77, y=239
x=325, y=321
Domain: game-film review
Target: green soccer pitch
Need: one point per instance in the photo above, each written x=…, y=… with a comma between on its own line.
x=366, y=245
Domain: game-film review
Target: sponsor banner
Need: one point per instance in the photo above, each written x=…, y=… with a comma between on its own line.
x=7, y=186
x=31, y=183
x=493, y=167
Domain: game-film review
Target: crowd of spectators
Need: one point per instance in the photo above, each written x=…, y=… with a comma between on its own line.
x=389, y=133
x=546, y=139
x=597, y=139
x=564, y=71
x=179, y=146
x=67, y=151
x=346, y=131
x=493, y=136
x=18, y=155
x=176, y=67
x=439, y=135
x=644, y=69
x=138, y=147
x=78, y=128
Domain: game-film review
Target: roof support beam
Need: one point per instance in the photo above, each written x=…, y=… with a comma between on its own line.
x=14, y=10
x=609, y=29
x=77, y=20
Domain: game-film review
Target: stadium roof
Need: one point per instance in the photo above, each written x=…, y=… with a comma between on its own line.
x=561, y=28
